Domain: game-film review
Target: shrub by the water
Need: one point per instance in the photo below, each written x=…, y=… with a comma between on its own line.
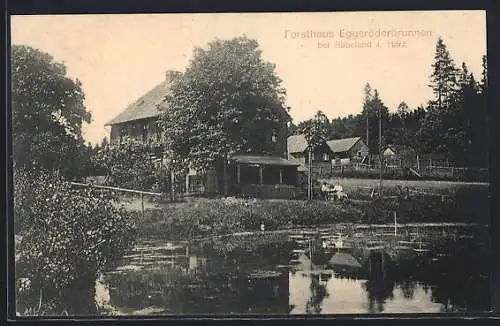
x=129, y=165
x=215, y=217
x=204, y=218
x=65, y=238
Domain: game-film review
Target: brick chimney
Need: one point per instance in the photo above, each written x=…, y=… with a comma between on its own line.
x=171, y=75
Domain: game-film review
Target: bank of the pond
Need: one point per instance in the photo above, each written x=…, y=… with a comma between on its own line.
x=208, y=217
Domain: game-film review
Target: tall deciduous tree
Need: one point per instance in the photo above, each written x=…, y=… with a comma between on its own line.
x=228, y=100
x=47, y=112
x=317, y=130
x=128, y=164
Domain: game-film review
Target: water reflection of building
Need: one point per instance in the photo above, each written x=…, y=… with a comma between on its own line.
x=318, y=293
x=196, y=263
x=268, y=292
x=257, y=281
x=378, y=291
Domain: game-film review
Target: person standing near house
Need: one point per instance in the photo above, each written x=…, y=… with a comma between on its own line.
x=324, y=190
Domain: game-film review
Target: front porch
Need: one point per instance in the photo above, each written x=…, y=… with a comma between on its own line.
x=247, y=176
x=262, y=176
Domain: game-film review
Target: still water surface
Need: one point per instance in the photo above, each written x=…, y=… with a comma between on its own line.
x=280, y=278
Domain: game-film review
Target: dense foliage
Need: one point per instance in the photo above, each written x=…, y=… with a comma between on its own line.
x=454, y=123
x=377, y=116
x=66, y=237
x=316, y=130
x=129, y=164
x=204, y=218
x=225, y=102
x=47, y=113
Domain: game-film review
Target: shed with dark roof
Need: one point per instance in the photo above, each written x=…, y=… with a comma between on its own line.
x=352, y=148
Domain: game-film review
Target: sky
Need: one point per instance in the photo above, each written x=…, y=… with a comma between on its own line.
x=119, y=57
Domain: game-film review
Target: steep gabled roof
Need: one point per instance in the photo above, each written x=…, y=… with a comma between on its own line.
x=301, y=167
x=344, y=259
x=296, y=144
x=342, y=145
x=144, y=107
x=399, y=148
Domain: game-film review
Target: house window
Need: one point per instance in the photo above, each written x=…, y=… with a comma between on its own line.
x=359, y=154
x=134, y=131
x=326, y=157
x=123, y=131
x=158, y=130
x=195, y=184
x=274, y=137
x=249, y=174
x=145, y=132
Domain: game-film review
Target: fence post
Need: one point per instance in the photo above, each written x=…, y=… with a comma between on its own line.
x=142, y=205
x=172, y=184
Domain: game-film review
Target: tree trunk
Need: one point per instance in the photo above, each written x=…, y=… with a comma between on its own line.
x=225, y=177
x=309, y=180
x=172, y=184
x=80, y=297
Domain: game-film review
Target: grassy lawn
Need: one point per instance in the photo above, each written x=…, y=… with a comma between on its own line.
x=425, y=185
x=198, y=218
x=201, y=217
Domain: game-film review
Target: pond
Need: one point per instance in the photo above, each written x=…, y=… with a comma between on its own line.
x=448, y=272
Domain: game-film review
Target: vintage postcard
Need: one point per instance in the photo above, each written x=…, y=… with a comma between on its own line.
x=250, y=164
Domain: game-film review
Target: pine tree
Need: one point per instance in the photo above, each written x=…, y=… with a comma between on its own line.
x=484, y=75
x=444, y=76
x=464, y=76
x=402, y=109
x=366, y=102
x=371, y=111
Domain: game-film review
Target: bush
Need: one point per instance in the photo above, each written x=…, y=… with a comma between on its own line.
x=222, y=216
x=66, y=238
x=204, y=218
x=129, y=165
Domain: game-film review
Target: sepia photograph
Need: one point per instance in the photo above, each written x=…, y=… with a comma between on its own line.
x=250, y=164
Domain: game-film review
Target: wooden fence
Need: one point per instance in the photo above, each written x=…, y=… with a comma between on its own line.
x=133, y=191
x=394, y=169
